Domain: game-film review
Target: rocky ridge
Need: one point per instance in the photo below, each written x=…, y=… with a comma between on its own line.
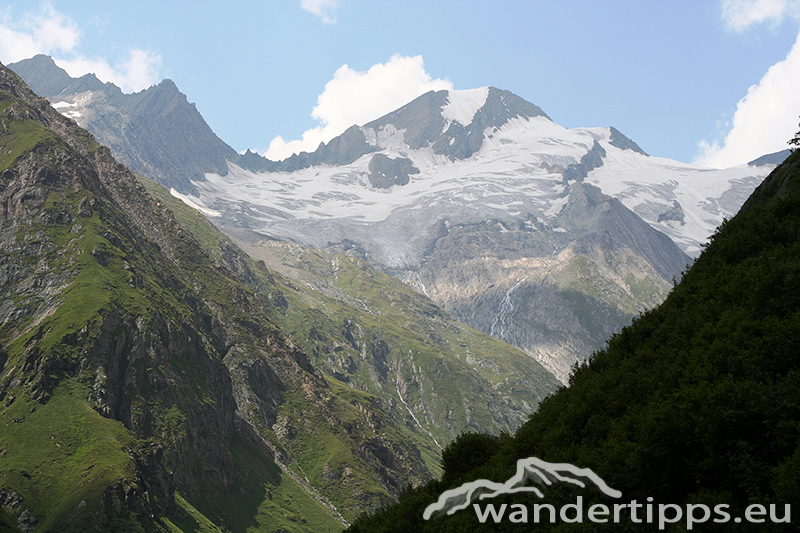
x=156, y=132
x=483, y=162
x=167, y=364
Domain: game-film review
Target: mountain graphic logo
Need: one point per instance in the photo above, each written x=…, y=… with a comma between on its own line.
x=530, y=472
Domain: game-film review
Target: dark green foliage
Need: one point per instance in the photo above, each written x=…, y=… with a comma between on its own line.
x=465, y=454
x=795, y=141
x=6, y=524
x=696, y=402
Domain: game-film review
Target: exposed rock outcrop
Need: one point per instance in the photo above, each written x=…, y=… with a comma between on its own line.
x=112, y=312
x=384, y=172
x=155, y=132
x=555, y=292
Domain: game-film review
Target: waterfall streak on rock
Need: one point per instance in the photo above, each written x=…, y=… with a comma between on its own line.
x=397, y=387
x=506, y=310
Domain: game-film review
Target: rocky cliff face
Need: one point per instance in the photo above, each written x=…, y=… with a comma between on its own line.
x=134, y=365
x=436, y=375
x=156, y=132
x=557, y=293
x=85, y=307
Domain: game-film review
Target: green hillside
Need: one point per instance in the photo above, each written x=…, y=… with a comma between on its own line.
x=380, y=343
x=140, y=380
x=695, y=403
x=155, y=378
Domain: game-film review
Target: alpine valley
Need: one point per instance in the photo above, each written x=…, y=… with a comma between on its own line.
x=210, y=341
x=548, y=238
x=154, y=377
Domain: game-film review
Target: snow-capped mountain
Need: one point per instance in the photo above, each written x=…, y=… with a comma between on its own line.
x=547, y=237
x=472, y=155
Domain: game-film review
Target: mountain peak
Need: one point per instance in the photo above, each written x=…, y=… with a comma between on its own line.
x=775, y=158
x=505, y=105
x=167, y=85
x=42, y=75
x=453, y=122
x=462, y=105
x=143, y=130
x=621, y=141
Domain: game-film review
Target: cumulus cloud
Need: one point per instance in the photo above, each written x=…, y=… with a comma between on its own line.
x=325, y=9
x=742, y=14
x=353, y=97
x=50, y=32
x=139, y=71
x=45, y=32
x=765, y=119
x=767, y=116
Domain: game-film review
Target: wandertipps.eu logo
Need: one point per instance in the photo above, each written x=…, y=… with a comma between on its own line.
x=531, y=474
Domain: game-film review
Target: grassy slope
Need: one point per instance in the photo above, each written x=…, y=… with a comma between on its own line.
x=323, y=292
x=423, y=344
x=56, y=451
x=63, y=455
x=7, y=525
x=265, y=499
x=695, y=402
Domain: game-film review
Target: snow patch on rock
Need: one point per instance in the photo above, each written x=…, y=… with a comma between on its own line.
x=462, y=105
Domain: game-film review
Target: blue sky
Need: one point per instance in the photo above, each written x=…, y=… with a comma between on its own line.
x=712, y=81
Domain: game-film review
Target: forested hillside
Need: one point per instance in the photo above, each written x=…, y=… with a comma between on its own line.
x=696, y=402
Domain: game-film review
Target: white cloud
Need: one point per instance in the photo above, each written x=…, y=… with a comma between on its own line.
x=741, y=14
x=353, y=97
x=50, y=32
x=45, y=32
x=325, y=9
x=765, y=119
x=138, y=72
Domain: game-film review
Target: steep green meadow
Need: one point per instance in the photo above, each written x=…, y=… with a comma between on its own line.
x=139, y=380
x=155, y=378
x=391, y=348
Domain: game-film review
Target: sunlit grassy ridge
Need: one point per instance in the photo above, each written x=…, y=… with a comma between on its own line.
x=90, y=299
x=68, y=271
x=62, y=455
